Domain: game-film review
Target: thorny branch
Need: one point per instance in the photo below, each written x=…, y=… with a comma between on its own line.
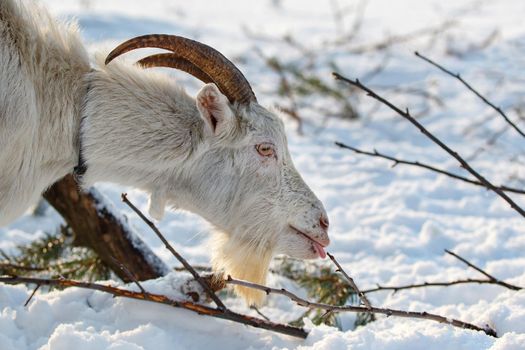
x=397, y=161
x=476, y=92
x=162, y=299
x=179, y=257
x=347, y=308
x=406, y=114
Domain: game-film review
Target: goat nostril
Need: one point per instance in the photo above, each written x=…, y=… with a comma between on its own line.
x=324, y=222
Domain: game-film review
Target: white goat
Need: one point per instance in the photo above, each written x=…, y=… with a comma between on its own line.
x=221, y=155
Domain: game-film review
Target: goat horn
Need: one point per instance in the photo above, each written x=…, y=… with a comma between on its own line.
x=171, y=60
x=222, y=71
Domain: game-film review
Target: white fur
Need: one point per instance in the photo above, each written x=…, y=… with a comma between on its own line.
x=139, y=128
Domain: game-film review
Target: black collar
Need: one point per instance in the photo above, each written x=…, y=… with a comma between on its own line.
x=80, y=169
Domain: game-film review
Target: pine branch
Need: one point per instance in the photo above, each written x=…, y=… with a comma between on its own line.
x=162, y=299
x=476, y=92
x=406, y=114
x=53, y=255
x=397, y=161
x=324, y=286
x=9, y=266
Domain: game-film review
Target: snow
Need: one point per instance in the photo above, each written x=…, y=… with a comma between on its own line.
x=388, y=226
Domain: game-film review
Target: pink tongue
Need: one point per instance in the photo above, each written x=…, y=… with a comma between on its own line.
x=320, y=250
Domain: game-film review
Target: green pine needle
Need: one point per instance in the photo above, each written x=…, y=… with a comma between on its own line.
x=54, y=256
x=325, y=286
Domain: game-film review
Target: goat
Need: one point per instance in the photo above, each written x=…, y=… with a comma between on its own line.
x=220, y=155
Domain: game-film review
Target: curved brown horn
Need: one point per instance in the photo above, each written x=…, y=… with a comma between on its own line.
x=171, y=60
x=228, y=78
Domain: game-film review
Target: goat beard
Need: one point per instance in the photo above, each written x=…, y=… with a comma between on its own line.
x=245, y=260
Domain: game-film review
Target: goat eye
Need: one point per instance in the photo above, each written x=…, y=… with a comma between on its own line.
x=265, y=149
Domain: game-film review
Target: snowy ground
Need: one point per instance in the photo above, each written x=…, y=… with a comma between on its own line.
x=389, y=226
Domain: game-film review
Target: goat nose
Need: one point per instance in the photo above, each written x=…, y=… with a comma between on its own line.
x=324, y=222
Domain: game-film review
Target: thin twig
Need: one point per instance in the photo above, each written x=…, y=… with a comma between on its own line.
x=483, y=272
x=350, y=280
x=491, y=280
x=196, y=267
x=476, y=92
x=437, y=284
x=179, y=257
x=162, y=299
x=397, y=39
x=454, y=154
x=256, y=309
x=388, y=312
x=129, y=274
x=32, y=295
x=397, y=161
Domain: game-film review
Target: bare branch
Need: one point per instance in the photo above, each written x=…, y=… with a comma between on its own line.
x=350, y=280
x=491, y=280
x=179, y=257
x=454, y=154
x=161, y=299
x=256, y=309
x=285, y=89
x=426, y=166
x=32, y=295
x=130, y=275
x=397, y=39
x=388, y=312
x=438, y=284
x=483, y=272
x=476, y=92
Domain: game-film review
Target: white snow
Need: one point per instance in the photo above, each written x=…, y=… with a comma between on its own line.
x=388, y=226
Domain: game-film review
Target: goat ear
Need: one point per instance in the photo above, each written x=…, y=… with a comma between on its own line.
x=214, y=108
